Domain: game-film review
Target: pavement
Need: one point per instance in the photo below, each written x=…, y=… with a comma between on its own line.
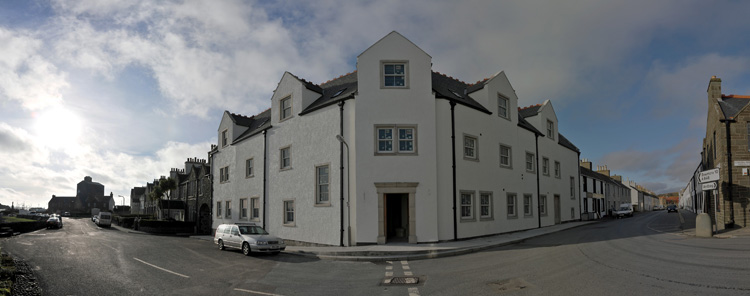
x=687, y=222
x=406, y=251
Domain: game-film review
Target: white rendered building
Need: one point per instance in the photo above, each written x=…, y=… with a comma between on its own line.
x=420, y=157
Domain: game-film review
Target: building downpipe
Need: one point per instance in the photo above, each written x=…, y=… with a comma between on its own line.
x=575, y=194
x=341, y=168
x=265, y=180
x=538, y=198
x=453, y=150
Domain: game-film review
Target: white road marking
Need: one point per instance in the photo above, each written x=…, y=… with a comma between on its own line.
x=256, y=292
x=389, y=273
x=406, y=267
x=163, y=269
x=413, y=292
x=389, y=268
x=404, y=263
x=408, y=273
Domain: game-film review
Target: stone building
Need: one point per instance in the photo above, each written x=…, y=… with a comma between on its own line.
x=727, y=147
x=89, y=195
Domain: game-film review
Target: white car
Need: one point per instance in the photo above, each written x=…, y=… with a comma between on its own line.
x=247, y=237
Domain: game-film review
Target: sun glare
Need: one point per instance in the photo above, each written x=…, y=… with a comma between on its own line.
x=58, y=128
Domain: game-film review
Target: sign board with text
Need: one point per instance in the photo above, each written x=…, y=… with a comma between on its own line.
x=742, y=163
x=708, y=186
x=708, y=176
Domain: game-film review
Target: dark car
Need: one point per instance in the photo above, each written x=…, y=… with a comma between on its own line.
x=53, y=222
x=671, y=208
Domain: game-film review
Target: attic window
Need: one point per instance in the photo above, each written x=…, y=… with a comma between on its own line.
x=338, y=93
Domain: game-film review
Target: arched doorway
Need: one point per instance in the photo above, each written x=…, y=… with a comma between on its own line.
x=204, y=219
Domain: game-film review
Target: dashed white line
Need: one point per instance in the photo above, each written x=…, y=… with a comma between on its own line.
x=163, y=269
x=256, y=292
x=389, y=273
x=408, y=273
x=389, y=268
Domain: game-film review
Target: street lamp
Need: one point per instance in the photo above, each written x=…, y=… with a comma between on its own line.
x=348, y=188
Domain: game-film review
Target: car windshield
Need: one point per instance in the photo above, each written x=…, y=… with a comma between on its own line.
x=624, y=209
x=252, y=230
x=105, y=217
x=52, y=220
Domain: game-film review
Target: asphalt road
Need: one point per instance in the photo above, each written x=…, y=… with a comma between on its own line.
x=643, y=255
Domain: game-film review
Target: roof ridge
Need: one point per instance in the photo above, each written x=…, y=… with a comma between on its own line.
x=451, y=78
x=733, y=96
x=337, y=78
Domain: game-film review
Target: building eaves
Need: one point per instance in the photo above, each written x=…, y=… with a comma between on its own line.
x=526, y=125
x=309, y=85
x=455, y=91
x=563, y=141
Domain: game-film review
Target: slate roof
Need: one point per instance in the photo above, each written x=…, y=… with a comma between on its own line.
x=255, y=125
x=525, y=124
x=529, y=111
x=562, y=140
x=333, y=91
x=456, y=91
x=591, y=173
x=62, y=199
x=731, y=105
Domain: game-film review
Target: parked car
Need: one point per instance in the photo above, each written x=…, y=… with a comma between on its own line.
x=53, y=222
x=104, y=219
x=247, y=237
x=66, y=214
x=658, y=208
x=672, y=208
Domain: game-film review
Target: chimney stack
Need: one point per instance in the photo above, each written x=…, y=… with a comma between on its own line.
x=603, y=170
x=714, y=89
x=585, y=163
x=617, y=177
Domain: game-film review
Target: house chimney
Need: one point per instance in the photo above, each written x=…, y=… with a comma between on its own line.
x=714, y=89
x=617, y=177
x=585, y=163
x=603, y=170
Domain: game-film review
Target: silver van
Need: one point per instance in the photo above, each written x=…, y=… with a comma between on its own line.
x=247, y=237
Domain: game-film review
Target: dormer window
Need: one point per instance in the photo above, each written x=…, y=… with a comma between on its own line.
x=394, y=75
x=502, y=106
x=285, y=106
x=224, y=138
x=550, y=129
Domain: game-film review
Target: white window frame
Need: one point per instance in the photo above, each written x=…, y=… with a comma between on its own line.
x=395, y=139
x=243, y=208
x=545, y=166
x=383, y=74
x=249, y=168
x=506, y=114
x=572, y=187
x=318, y=183
x=467, y=204
x=224, y=141
x=469, y=139
x=543, y=204
x=283, y=167
x=550, y=129
x=532, y=164
x=228, y=209
x=509, y=165
x=511, y=204
x=218, y=210
x=558, y=170
x=283, y=115
x=485, y=205
x=287, y=211
x=528, y=204
x=254, y=205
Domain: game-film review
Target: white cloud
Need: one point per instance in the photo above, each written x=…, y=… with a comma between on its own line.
x=25, y=75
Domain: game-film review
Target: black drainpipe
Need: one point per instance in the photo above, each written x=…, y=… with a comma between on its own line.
x=575, y=194
x=265, y=156
x=341, y=167
x=538, y=198
x=453, y=149
x=729, y=224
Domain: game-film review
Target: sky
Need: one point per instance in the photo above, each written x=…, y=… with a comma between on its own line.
x=122, y=91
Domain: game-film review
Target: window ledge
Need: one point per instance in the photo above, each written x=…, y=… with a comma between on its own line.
x=323, y=205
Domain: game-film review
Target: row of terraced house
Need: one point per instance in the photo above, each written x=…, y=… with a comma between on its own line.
x=392, y=152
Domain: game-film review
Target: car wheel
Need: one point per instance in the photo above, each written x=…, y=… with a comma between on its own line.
x=221, y=245
x=246, y=249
